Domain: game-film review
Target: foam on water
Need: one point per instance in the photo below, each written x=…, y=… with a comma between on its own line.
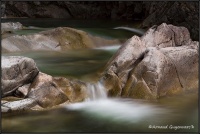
x=118, y=109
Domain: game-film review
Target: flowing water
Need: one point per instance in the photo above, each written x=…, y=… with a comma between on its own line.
x=98, y=113
x=96, y=91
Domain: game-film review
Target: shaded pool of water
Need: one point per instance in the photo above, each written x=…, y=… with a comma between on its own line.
x=73, y=63
x=102, y=28
x=110, y=115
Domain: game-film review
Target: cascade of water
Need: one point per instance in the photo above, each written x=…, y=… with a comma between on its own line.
x=98, y=105
x=96, y=91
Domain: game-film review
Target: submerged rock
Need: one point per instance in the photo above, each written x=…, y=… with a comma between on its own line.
x=55, y=39
x=164, y=61
x=61, y=38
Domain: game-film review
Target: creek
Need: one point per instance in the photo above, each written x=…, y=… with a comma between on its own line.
x=98, y=113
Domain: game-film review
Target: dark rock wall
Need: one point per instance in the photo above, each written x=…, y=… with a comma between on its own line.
x=151, y=13
x=76, y=10
x=177, y=13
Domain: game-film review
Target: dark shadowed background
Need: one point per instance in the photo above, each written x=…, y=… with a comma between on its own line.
x=178, y=13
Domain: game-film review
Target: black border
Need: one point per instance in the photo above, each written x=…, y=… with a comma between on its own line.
x=117, y=0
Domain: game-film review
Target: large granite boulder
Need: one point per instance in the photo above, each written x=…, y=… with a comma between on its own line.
x=16, y=71
x=164, y=61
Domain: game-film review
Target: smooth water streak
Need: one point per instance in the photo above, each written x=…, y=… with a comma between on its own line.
x=135, y=30
x=109, y=48
x=120, y=110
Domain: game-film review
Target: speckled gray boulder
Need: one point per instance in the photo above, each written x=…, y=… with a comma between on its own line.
x=16, y=71
x=10, y=26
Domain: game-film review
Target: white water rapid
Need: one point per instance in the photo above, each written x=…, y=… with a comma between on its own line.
x=115, y=109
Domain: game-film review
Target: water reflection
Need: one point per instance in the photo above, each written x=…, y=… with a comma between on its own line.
x=72, y=63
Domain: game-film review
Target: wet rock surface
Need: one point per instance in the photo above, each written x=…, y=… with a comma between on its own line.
x=164, y=61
